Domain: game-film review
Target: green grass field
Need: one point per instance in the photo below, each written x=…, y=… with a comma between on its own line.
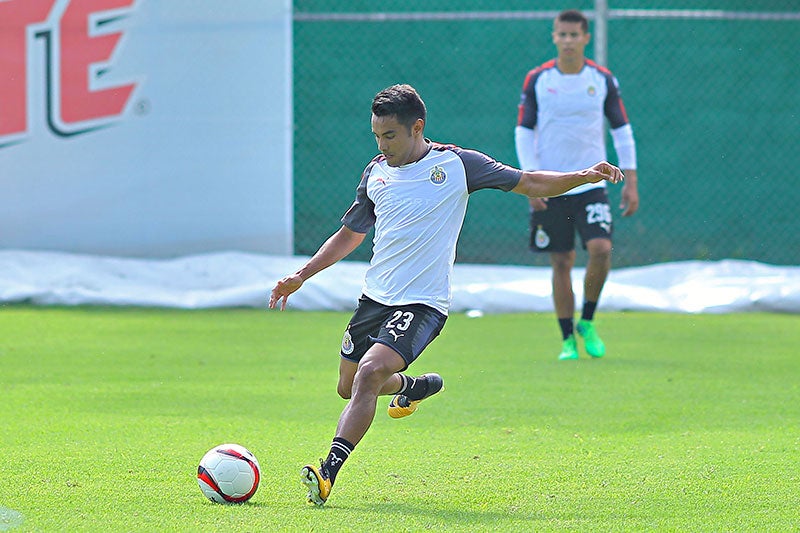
x=690, y=423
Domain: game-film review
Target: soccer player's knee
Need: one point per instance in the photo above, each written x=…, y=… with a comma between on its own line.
x=372, y=371
x=562, y=261
x=345, y=390
x=599, y=249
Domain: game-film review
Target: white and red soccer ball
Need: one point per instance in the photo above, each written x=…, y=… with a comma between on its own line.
x=228, y=473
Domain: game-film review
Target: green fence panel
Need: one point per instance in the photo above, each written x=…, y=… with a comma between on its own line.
x=713, y=96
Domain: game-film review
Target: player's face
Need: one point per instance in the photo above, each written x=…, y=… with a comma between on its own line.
x=570, y=39
x=395, y=140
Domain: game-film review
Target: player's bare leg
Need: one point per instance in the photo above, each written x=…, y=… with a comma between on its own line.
x=408, y=391
x=347, y=372
x=597, y=268
x=362, y=386
x=379, y=364
x=564, y=300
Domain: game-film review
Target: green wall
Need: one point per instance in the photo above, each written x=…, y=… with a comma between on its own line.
x=715, y=106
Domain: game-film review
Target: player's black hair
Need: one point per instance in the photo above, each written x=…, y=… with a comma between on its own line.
x=573, y=15
x=402, y=101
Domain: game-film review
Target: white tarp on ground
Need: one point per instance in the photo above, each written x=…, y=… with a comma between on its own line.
x=244, y=280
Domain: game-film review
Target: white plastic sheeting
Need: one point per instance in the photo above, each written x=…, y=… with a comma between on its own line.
x=234, y=279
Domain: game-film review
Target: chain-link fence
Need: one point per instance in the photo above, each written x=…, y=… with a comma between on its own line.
x=712, y=88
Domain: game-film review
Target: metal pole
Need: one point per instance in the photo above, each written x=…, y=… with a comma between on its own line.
x=601, y=31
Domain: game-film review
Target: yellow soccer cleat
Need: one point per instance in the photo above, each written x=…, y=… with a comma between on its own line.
x=317, y=482
x=402, y=406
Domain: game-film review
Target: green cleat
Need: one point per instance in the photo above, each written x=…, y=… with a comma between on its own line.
x=569, y=350
x=594, y=344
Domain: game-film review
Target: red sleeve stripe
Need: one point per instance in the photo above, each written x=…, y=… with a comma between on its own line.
x=529, y=79
x=599, y=67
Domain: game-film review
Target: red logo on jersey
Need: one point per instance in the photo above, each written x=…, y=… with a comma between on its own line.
x=79, y=49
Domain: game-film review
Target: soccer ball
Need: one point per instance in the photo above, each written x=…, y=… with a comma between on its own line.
x=228, y=473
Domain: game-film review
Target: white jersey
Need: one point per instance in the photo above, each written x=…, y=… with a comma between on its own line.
x=564, y=120
x=417, y=211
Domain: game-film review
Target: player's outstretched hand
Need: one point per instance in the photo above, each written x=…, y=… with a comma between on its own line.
x=283, y=289
x=604, y=171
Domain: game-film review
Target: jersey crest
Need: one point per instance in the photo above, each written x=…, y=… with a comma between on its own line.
x=438, y=175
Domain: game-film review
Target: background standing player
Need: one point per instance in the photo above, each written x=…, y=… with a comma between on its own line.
x=415, y=196
x=561, y=126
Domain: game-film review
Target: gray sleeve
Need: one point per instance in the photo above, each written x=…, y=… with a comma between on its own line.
x=361, y=215
x=483, y=172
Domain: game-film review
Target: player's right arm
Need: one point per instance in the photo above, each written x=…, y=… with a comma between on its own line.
x=337, y=247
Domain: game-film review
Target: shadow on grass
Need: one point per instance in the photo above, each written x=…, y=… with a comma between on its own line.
x=439, y=515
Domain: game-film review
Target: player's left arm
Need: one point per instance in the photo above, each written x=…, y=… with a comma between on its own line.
x=629, y=202
x=624, y=145
x=483, y=172
x=545, y=183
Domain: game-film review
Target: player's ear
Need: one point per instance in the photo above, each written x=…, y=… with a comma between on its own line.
x=418, y=127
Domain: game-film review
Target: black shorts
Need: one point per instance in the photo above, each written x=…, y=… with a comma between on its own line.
x=553, y=230
x=407, y=329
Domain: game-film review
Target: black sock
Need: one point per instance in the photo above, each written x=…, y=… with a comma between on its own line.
x=340, y=451
x=413, y=388
x=566, y=325
x=588, y=310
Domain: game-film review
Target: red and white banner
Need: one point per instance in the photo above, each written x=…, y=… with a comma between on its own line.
x=146, y=128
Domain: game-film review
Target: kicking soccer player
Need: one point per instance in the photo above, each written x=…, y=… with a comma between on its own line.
x=415, y=196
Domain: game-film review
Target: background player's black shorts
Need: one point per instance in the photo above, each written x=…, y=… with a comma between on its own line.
x=407, y=329
x=588, y=213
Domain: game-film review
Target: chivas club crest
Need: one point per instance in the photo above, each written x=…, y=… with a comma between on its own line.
x=542, y=239
x=347, y=343
x=438, y=175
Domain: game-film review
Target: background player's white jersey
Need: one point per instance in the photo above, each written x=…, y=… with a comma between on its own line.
x=417, y=211
x=564, y=117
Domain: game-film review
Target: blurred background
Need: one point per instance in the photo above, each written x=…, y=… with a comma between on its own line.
x=711, y=88
x=245, y=127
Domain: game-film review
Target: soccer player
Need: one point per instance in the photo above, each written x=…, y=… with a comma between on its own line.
x=560, y=126
x=414, y=193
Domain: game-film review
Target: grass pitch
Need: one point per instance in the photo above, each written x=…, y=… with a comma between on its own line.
x=690, y=423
